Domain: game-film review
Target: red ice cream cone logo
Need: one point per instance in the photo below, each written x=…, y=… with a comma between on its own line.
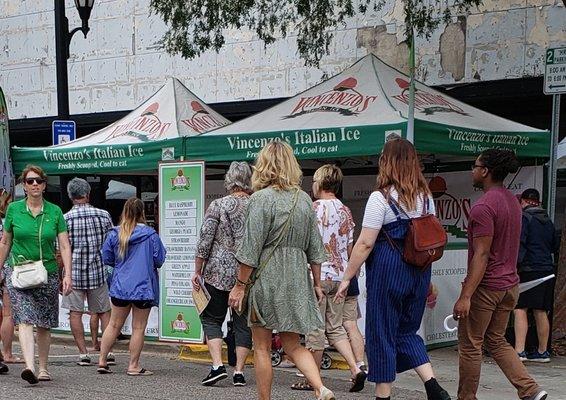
x=151, y=109
x=198, y=108
x=402, y=83
x=346, y=84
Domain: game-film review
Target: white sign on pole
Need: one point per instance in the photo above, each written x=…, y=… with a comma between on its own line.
x=555, y=71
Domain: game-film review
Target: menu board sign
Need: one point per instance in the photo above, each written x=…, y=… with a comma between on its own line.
x=181, y=209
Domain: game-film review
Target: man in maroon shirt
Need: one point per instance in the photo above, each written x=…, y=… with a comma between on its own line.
x=490, y=290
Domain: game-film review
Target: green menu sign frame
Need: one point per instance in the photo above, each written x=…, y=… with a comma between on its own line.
x=181, y=211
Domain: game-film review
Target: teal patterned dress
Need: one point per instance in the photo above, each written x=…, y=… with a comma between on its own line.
x=283, y=297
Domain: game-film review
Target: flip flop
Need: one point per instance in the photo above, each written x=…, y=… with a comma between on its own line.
x=16, y=360
x=141, y=372
x=104, y=369
x=302, y=385
x=29, y=376
x=43, y=376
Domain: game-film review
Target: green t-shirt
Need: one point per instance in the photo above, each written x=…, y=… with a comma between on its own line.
x=25, y=230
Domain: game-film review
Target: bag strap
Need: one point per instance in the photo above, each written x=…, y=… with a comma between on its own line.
x=396, y=207
x=40, y=229
x=20, y=259
x=283, y=234
x=426, y=204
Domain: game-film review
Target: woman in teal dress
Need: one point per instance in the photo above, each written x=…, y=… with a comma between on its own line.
x=281, y=239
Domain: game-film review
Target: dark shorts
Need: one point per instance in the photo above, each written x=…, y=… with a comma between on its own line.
x=214, y=314
x=540, y=297
x=141, y=304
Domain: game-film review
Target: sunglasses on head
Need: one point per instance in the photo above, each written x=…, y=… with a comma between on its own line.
x=38, y=180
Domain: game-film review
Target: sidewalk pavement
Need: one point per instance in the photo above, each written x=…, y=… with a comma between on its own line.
x=493, y=384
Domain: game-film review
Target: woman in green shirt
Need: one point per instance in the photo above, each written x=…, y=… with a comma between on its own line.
x=281, y=238
x=40, y=306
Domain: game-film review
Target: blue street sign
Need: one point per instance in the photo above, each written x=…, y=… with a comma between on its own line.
x=63, y=131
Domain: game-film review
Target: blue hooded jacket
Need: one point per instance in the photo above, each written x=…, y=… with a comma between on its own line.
x=135, y=277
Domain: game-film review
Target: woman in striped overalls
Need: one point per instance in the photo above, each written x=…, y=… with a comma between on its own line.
x=396, y=291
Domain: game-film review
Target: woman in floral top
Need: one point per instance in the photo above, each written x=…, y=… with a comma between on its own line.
x=216, y=265
x=336, y=226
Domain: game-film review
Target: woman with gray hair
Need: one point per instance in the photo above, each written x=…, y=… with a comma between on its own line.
x=216, y=267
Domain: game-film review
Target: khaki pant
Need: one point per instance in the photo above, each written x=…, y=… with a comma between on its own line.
x=332, y=314
x=489, y=315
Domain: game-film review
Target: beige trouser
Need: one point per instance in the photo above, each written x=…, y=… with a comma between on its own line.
x=332, y=314
x=487, y=321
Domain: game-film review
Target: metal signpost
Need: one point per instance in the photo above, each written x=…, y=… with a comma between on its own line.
x=555, y=85
x=63, y=131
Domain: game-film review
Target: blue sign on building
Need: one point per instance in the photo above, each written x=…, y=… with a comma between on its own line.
x=63, y=131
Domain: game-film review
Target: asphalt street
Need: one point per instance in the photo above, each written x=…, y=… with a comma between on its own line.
x=173, y=380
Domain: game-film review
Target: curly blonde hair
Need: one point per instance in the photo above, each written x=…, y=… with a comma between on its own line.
x=276, y=166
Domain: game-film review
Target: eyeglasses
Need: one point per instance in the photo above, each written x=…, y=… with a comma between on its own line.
x=37, y=180
x=474, y=166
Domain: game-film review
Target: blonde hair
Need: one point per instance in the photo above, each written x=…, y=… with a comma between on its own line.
x=276, y=166
x=132, y=214
x=399, y=167
x=328, y=178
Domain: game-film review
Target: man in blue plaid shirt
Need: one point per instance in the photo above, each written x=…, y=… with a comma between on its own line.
x=87, y=226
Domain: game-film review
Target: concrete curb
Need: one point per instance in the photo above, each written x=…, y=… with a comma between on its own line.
x=199, y=353
x=185, y=352
x=122, y=345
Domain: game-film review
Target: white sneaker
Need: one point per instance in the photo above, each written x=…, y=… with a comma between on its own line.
x=84, y=360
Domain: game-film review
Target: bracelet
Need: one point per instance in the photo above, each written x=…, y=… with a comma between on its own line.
x=241, y=283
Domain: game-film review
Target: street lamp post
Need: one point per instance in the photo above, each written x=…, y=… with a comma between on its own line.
x=62, y=42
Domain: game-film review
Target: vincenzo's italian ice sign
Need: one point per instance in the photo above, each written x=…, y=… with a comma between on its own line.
x=344, y=102
x=201, y=120
x=118, y=156
x=147, y=127
x=344, y=99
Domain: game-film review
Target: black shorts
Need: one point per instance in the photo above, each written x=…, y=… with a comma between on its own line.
x=540, y=297
x=141, y=304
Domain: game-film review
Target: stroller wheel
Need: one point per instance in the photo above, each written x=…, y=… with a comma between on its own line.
x=276, y=358
x=326, y=361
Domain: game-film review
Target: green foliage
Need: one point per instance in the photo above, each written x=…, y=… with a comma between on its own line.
x=199, y=25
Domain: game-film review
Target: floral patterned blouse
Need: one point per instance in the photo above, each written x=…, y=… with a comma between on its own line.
x=336, y=226
x=220, y=237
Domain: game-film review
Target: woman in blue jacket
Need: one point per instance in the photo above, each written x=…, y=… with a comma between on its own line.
x=136, y=252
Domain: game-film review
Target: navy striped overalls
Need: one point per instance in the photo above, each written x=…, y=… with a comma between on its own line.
x=396, y=298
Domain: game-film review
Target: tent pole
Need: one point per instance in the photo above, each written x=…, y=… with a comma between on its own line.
x=411, y=121
x=553, y=155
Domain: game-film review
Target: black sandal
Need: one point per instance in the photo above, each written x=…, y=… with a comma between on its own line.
x=358, y=382
x=28, y=376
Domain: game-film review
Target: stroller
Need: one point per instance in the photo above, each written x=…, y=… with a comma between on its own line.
x=277, y=353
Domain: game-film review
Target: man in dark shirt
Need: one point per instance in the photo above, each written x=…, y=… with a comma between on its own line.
x=490, y=290
x=539, y=240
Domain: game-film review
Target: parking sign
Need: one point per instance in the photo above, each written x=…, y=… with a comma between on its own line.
x=63, y=131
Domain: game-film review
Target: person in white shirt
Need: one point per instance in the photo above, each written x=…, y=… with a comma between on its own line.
x=336, y=226
x=396, y=291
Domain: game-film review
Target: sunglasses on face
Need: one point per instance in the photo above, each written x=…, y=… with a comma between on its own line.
x=474, y=166
x=38, y=180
